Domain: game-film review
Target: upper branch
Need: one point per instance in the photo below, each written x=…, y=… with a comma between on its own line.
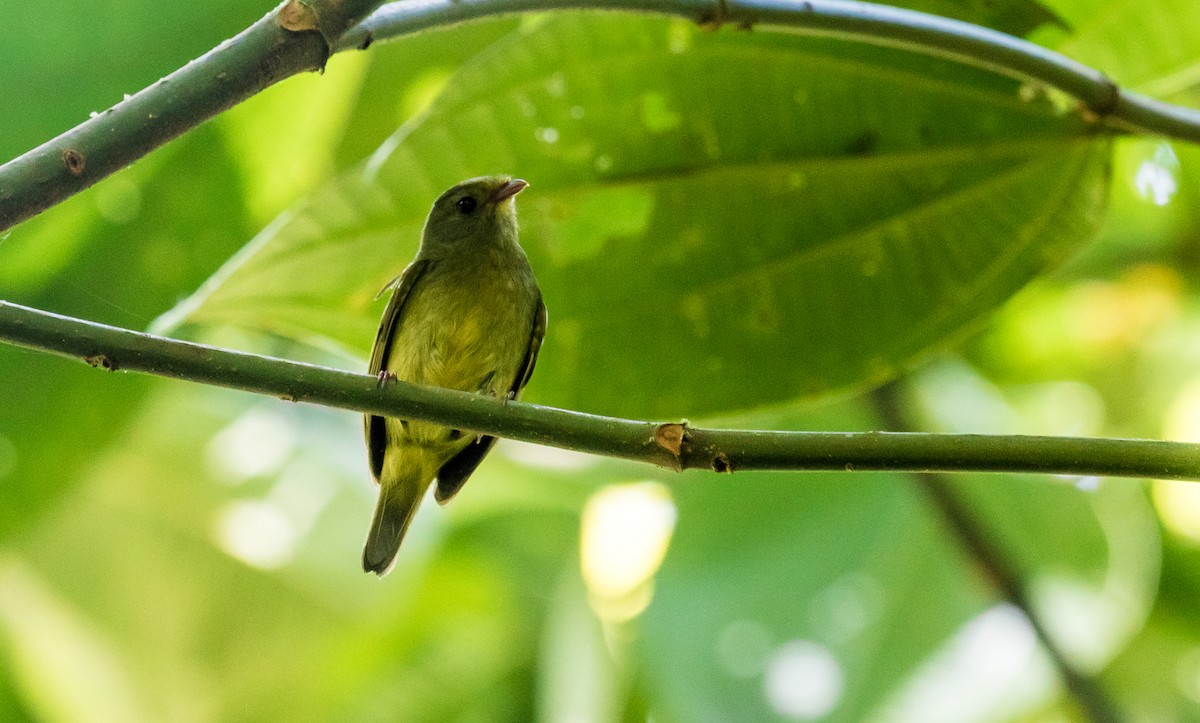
x=300, y=34
x=879, y=24
x=278, y=46
x=671, y=445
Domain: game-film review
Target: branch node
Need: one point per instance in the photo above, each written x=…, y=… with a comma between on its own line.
x=297, y=17
x=712, y=20
x=74, y=161
x=721, y=464
x=670, y=436
x=1110, y=97
x=101, y=361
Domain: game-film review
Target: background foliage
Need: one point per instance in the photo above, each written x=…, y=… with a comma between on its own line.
x=756, y=228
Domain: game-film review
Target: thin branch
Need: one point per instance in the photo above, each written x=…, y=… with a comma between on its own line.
x=267, y=53
x=674, y=445
x=877, y=24
x=977, y=541
x=285, y=42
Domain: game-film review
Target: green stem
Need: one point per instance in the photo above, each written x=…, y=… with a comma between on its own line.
x=670, y=445
x=878, y=24
x=260, y=56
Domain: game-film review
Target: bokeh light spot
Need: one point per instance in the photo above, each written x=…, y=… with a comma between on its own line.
x=804, y=681
x=1157, y=177
x=255, y=444
x=257, y=533
x=742, y=648
x=625, y=532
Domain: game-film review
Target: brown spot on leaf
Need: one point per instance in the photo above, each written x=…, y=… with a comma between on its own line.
x=74, y=162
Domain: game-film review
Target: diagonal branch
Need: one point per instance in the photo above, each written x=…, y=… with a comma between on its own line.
x=674, y=445
x=1091, y=697
x=292, y=39
x=285, y=42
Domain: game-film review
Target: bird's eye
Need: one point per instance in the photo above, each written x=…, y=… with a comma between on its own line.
x=466, y=204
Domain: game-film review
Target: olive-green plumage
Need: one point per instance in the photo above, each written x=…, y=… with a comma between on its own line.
x=466, y=314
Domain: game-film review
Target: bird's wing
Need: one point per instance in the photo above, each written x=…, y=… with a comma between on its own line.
x=454, y=473
x=403, y=285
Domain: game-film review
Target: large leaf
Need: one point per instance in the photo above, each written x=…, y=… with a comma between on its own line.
x=1151, y=45
x=717, y=219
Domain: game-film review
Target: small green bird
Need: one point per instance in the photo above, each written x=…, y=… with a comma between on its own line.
x=466, y=314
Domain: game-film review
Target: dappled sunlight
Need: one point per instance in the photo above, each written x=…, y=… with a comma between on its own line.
x=991, y=669
x=256, y=444
x=803, y=680
x=1178, y=503
x=1178, y=506
x=1157, y=177
x=625, y=532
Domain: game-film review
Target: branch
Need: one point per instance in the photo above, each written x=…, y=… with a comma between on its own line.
x=1000, y=570
x=285, y=42
x=671, y=445
x=877, y=24
x=291, y=40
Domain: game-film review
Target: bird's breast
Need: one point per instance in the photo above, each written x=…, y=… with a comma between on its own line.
x=460, y=330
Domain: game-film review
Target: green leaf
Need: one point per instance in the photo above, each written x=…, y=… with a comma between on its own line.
x=1150, y=45
x=718, y=220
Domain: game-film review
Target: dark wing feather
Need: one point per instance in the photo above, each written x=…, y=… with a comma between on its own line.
x=454, y=473
x=373, y=425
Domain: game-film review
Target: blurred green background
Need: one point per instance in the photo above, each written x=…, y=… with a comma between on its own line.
x=750, y=229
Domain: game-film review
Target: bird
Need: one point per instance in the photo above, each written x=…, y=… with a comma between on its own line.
x=465, y=314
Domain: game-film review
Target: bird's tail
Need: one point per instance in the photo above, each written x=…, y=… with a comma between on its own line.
x=398, y=500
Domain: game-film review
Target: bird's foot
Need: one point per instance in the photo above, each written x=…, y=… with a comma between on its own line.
x=384, y=377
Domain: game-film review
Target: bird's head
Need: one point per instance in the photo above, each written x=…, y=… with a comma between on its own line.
x=478, y=210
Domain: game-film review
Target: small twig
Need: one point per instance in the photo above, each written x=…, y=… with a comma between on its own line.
x=1092, y=699
x=675, y=445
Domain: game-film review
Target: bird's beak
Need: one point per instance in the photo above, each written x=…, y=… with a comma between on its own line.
x=508, y=190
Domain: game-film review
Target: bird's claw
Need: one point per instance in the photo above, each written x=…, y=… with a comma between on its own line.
x=384, y=377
